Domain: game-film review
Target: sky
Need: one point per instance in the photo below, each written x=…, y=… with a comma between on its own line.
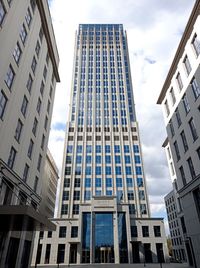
x=154, y=29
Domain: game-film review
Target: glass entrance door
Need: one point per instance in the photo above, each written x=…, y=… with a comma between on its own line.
x=104, y=240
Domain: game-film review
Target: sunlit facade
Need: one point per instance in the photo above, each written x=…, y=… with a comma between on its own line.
x=103, y=204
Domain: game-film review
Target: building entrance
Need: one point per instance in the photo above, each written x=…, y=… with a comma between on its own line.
x=105, y=254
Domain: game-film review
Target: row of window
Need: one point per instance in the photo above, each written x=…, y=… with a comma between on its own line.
x=194, y=84
x=145, y=231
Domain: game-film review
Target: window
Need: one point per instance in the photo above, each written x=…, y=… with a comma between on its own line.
x=33, y=5
x=9, y=77
x=74, y=231
x=137, y=159
x=141, y=195
x=126, y=149
x=186, y=103
x=87, y=195
x=179, y=81
x=39, y=162
x=37, y=48
x=67, y=182
x=2, y=12
x=191, y=168
x=117, y=149
x=25, y=173
x=35, y=183
x=134, y=232
x=177, y=150
x=18, y=130
x=98, y=170
x=35, y=123
x=49, y=234
x=108, y=170
x=61, y=253
x=3, y=102
x=33, y=64
x=145, y=231
x=45, y=73
x=130, y=195
x=47, y=253
x=30, y=148
x=128, y=170
x=29, y=83
x=118, y=170
x=187, y=65
x=76, y=195
x=48, y=106
x=196, y=195
x=185, y=144
x=38, y=108
x=157, y=232
x=138, y=170
x=140, y=182
x=135, y=148
x=24, y=106
x=178, y=117
x=166, y=105
x=17, y=53
x=129, y=182
x=196, y=45
x=195, y=88
x=28, y=17
x=65, y=195
x=98, y=182
x=64, y=209
x=23, y=33
x=76, y=209
x=193, y=129
x=62, y=231
x=173, y=98
x=11, y=158
x=42, y=142
x=171, y=126
x=132, y=209
x=41, y=34
x=198, y=152
x=46, y=123
x=182, y=175
x=143, y=209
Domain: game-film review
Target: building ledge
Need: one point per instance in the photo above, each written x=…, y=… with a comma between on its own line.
x=23, y=218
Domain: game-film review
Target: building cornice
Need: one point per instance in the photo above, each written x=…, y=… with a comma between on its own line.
x=186, y=35
x=45, y=26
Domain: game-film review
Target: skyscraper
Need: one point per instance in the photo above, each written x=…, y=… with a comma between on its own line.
x=103, y=212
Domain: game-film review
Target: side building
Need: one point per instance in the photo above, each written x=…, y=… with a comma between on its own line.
x=103, y=212
x=49, y=186
x=28, y=76
x=181, y=108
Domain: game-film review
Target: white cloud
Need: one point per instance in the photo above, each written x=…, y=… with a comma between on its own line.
x=154, y=29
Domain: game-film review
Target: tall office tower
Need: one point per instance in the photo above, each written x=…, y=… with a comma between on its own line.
x=103, y=212
x=181, y=107
x=28, y=75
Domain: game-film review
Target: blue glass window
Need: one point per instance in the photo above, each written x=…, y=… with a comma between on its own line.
x=117, y=149
x=88, y=148
x=118, y=170
x=98, y=192
x=69, y=149
x=140, y=182
x=135, y=148
x=137, y=159
x=98, y=148
x=108, y=170
x=128, y=170
x=126, y=148
x=88, y=170
x=79, y=148
x=108, y=192
x=107, y=148
x=108, y=159
x=98, y=170
x=87, y=182
x=98, y=159
x=117, y=159
x=138, y=170
x=88, y=159
x=143, y=208
x=98, y=182
x=119, y=182
x=78, y=159
x=87, y=195
x=119, y=195
x=141, y=195
x=129, y=182
x=108, y=182
x=127, y=159
x=78, y=170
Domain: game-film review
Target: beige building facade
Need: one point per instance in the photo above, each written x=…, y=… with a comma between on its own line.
x=28, y=75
